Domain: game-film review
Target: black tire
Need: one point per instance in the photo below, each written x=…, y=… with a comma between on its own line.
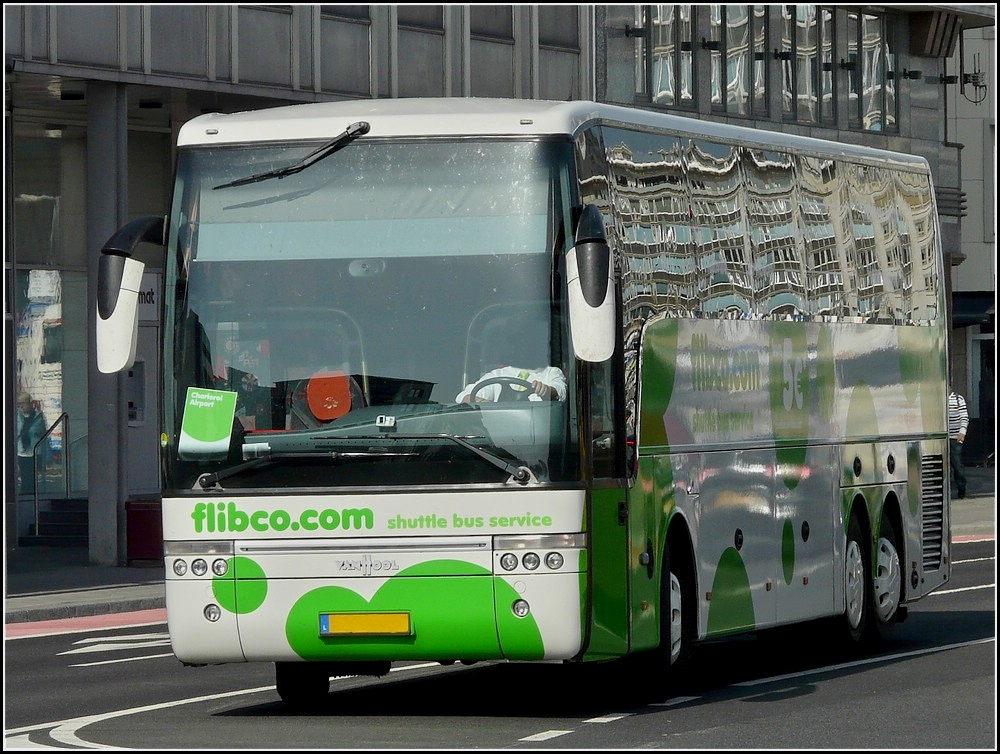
x=301, y=684
x=857, y=583
x=887, y=585
x=650, y=673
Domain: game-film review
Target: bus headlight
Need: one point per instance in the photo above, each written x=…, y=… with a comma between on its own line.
x=220, y=566
x=526, y=553
x=199, y=567
x=520, y=608
x=180, y=567
x=212, y=613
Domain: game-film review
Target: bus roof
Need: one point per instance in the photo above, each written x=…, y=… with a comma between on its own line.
x=480, y=116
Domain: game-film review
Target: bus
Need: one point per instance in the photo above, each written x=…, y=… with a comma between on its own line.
x=746, y=428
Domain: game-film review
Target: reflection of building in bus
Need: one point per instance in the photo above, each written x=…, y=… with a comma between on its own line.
x=743, y=232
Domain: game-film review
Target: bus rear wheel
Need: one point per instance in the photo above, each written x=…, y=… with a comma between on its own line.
x=301, y=684
x=887, y=584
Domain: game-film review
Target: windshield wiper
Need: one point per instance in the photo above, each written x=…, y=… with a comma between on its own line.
x=352, y=132
x=259, y=453
x=520, y=474
x=212, y=479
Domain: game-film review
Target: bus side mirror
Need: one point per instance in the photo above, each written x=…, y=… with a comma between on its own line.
x=119, y=278
x=590, y=278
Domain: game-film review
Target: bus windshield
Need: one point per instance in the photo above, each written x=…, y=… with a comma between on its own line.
x=326, y=323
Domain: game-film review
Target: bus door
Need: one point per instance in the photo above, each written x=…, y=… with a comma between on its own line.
x=624, y=520
x=609, y=518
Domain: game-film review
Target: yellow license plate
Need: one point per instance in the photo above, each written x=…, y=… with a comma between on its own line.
x=364, y=624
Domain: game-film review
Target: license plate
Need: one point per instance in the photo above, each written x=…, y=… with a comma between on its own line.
x=364, y=624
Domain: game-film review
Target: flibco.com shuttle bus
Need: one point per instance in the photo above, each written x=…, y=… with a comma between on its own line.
x=482, y=380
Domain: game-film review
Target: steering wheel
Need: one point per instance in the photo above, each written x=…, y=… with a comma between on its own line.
x=511, y=388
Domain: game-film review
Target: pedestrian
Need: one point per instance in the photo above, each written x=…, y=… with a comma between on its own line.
x=30, y=428
x=958, y=423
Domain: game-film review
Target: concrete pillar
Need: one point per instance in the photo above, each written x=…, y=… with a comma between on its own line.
x=107, y=179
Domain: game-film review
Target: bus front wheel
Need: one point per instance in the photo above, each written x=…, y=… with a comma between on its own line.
x=650, y=672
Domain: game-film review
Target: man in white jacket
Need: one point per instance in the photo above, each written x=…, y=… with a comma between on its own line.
x=547, y=384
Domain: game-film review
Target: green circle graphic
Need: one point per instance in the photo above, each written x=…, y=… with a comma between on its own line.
x=861, y=419
x=826, y=375
x=788, y=551
x=244, y=587
x=659, y=369
x=731, y=608
x=451, y=617
x=790, y=398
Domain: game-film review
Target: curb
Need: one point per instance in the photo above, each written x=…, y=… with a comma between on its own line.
x=32, y=615
x=81, y=604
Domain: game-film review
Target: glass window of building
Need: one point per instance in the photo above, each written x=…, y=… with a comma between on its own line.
x=806, y=55
x=426, y=17
x=871, y=65
x=737, y=44
x=669, y=61
x=559, y=26
x=492, y=51
x=492, y=22
x=49, y=300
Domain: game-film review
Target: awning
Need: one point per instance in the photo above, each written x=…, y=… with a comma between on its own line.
x=973, y=308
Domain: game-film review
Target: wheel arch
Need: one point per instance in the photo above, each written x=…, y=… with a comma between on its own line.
x=678, y=543
x=858, y=506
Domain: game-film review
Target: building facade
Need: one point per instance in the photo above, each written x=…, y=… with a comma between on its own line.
x=94, y=97
x=971, y=122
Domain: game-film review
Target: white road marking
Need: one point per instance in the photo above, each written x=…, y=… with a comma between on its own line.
x=940, y=592
x=120, y=659
x=117, y=645
x=608, y=718
x=546, y=735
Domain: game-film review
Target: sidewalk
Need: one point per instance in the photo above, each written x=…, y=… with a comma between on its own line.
x=48, y=583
